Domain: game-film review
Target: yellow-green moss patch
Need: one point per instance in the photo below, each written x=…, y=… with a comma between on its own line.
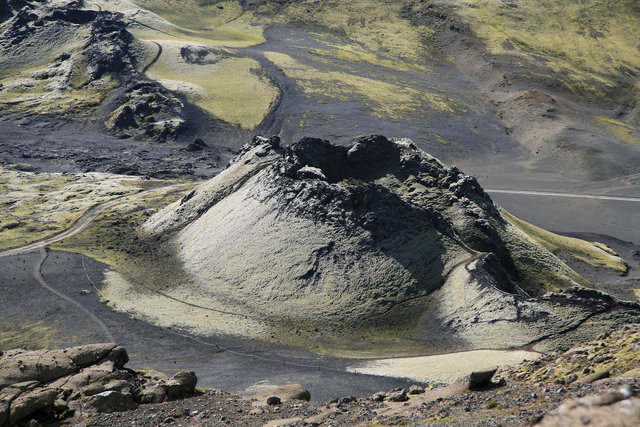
x=588, y=45
x=232, y=89
x=18, y=333
x=374, y=24
x=615, y=352
x=24, y=94
x=37, y=205
x=620, y=130
x=217, y=23
x=384, y=99
x=592, y=253
x=355, y=54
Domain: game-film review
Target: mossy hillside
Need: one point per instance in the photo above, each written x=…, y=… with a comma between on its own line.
x=111, y=240
x=356, y=54
x=620, y=130
x=595, y=254
x=389, y=334
x=19, y=333
x=371, y=32
x=143, y=264
x=41, y=48
x=539, y=269
x=228, y=192
x=381, y=97
x=235, y=88
x=615, y=352
x=27, y=97
x=52, y=86
x=376, y=280
x=165, y=304
x=231, y=88
x=218, y=23
x=375, y=25
x=185, y=310
x=589, y=46
x=46, y=74
x=148, y=281
x=220, y=221
x=38, y=205
x=483, y=228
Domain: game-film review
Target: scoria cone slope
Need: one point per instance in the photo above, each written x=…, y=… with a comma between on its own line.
x=320, y=233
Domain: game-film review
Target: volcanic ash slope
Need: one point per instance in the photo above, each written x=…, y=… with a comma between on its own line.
x=322, y=233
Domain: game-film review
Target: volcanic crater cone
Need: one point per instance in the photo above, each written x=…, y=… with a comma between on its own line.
x=322, y=233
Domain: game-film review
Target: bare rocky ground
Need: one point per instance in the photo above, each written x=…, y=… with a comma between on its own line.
x=600, y=389
x=509, y=405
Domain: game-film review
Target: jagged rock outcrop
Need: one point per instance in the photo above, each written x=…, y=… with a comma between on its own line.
x=44, y=384
x=379, y=229
x=99, y=63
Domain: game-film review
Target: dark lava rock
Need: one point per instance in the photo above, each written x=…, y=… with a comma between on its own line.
x=346, y=399
x=399, y=396
x=196, y=145
x=416, y=389
x=479, y=379
x=378, y=396
x=273, y=400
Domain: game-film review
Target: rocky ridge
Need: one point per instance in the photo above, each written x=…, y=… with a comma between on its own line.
x=94, y=58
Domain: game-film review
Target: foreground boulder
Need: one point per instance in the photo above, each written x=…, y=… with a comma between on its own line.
x=284, y=393
x=89, y=378
x=617, y=407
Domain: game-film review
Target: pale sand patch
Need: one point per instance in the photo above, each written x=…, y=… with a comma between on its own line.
x=443, y=368
x=181, y=312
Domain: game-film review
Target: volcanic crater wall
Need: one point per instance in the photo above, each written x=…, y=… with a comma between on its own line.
x=323, y=232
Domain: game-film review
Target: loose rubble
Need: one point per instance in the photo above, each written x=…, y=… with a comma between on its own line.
x=612, y=354
x=91, y=384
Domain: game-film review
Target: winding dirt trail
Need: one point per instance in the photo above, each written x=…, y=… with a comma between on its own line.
x=155, y=59
x=37, y=275
x=85, y=221
x=463, y=263
x=78, y=227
